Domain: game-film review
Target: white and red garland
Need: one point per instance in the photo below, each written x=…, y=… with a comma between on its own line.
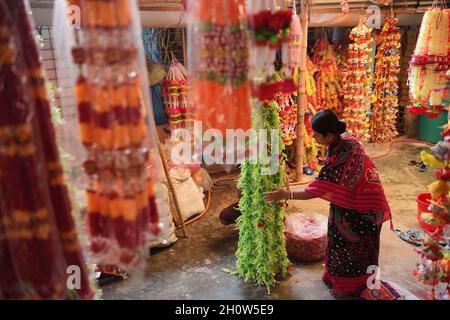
x=429, y=64
x=177, y=96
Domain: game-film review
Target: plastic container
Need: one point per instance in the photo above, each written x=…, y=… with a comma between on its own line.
x=423, y=201
x=430, y=129
x=306, y=236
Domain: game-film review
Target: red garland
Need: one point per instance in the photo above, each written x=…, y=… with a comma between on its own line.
x=269, y=91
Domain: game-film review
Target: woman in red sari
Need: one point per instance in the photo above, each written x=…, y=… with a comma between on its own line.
x=349, y=181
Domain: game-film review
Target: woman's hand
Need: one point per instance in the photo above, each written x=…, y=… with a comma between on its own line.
x=276, y=195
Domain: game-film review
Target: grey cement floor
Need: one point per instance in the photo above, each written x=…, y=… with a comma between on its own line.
x=192, y=268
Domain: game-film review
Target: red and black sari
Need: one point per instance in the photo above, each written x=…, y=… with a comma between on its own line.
x=350, y=181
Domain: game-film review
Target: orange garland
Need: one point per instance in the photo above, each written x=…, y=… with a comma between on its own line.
x=120, y=199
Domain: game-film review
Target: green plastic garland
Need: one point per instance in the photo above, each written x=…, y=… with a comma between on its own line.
x=261, y=254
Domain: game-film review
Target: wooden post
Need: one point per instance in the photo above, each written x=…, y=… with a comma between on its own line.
x=302, y=99
x=172, y=190
x=183, y=42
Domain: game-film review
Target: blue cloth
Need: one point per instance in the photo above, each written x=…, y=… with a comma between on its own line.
x=152, y=50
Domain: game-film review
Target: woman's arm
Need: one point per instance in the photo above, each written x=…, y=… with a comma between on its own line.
x=282, y=194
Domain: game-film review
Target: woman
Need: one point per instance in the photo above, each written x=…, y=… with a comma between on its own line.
x=349, y=181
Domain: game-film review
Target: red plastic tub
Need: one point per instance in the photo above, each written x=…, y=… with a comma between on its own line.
x=423, y=201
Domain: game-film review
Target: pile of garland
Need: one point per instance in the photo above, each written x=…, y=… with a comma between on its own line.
x=261, y=254
x=385, y=91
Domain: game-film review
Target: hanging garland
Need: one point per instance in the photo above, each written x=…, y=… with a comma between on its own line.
x=355, y=82
x=121, y=205
x=311, y=146
x=261, y=254
x=429, y=63
x=288, y=117
x=385, y=81
x=177, y=96
x=287, y=102
x=38, y=236
x=220, y=58
x=328, y=94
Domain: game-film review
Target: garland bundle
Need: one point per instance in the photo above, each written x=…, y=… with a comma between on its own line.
x=219, y=55
x=328, y=95
x=261, y=254
x=429, y=64
x=385, y=81
x=38, y=237
x=355, y=82
x=177, y=96
x=121, y=205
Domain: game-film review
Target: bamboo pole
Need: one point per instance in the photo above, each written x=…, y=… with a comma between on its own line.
x=172, y=191
x=301, y=96
x=183, y=41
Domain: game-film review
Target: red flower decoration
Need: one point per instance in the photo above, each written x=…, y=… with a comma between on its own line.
x=442, y=174
x=276, y=23
x=433, y=115
x=261, y=19
x=413, y=110
x=260, y=225
x=286, y=16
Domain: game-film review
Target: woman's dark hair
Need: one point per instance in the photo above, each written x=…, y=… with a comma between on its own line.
x=326, y=121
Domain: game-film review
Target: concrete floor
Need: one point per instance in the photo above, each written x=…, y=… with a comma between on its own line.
x=192, y=268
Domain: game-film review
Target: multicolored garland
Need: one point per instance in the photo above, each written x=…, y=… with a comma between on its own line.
x=38, y=236
x=311, y=145
x=387, y=70
x=356, y=81
x=434, y=267
x=288, y=118
x=121, y=205
x=177, y=96
x=220, y=58
x=429, y=63
x=271, y=27
x=329, y=91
